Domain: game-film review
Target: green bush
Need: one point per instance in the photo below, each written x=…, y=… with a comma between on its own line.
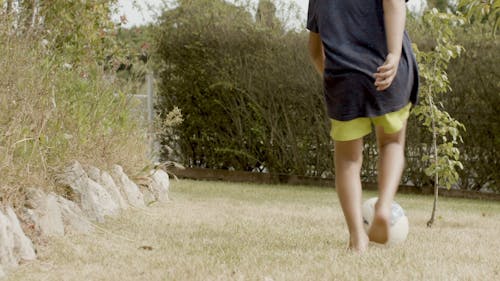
x=249, y=97
x=476, y=95
x=252, y=101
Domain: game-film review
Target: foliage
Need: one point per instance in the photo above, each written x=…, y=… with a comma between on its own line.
x=433, y=71
x=58, y=100
x=248, y=96
x=444, y=157
x=483, y=11
x=476, y=92
x=440, y=5
x=474, y=102
x=477, y=106
x=251, y=100
x=138, y=60
x=80, y=29
x=266, y=14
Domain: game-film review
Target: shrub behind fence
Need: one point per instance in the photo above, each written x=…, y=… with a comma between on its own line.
x=252, y=101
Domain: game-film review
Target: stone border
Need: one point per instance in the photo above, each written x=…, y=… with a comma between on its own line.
x=266, y=178
x=95, y=196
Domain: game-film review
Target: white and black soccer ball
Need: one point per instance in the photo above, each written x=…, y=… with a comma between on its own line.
x=399, y=221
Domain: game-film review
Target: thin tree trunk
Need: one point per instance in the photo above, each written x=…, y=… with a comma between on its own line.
x=27, y=9
x=436, y=175
x=34, y=14
x=9, y=6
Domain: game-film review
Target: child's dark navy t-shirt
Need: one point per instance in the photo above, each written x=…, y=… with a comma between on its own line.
x=354, y=41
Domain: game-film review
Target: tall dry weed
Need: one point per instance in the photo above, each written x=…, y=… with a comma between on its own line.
x=52, y=113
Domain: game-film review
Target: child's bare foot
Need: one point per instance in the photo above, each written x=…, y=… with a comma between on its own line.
x=359, y=243
x=379, y=231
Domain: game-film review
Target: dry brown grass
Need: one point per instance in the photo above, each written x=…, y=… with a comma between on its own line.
x=225, y=231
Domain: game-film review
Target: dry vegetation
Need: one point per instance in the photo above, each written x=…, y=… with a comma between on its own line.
x=52, y=112
x=223, y=231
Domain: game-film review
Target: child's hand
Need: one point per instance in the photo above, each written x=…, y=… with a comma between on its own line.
x=386, y=73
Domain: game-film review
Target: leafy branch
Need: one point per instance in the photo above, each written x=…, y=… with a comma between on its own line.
x=444, y=157
x=483, y=11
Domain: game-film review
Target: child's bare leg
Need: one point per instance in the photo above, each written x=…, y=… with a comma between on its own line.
x=390, y=168
x=348, y=160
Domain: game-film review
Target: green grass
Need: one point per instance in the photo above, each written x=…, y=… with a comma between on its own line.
x=227, y=231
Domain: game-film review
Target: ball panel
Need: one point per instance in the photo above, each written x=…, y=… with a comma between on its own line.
x=399, y=221
x=399, y=231
x=367, y=211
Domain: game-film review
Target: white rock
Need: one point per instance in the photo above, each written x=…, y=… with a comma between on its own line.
x=129, y=188
x=23, y=247
x=43, y=211
x=94, y=200
x=47, y=216
x=74, y=176
x=34, y=197
x=6, y=242
x=93, y=173
x=160, y=185
x=2, y=273
x=106, y=181
x=73, y=217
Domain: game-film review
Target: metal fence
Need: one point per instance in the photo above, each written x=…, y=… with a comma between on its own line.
x=146, y=112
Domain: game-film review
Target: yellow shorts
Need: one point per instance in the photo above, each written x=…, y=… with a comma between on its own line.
x=357, y=128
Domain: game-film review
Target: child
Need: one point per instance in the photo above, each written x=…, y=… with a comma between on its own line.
x=370, y=76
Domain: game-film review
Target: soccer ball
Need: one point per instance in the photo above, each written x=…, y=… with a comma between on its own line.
x=399, y=222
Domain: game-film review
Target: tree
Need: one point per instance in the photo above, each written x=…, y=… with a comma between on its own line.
x=444, y=158
x=82, y=30
x=8, y=6
x=485, y=11
x=440, y=5
x=266, y=14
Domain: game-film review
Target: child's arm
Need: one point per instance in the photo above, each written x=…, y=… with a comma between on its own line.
x=394, y=18
x=316, y=52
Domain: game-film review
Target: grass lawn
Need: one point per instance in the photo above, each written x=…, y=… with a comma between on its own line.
x=228, y=231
